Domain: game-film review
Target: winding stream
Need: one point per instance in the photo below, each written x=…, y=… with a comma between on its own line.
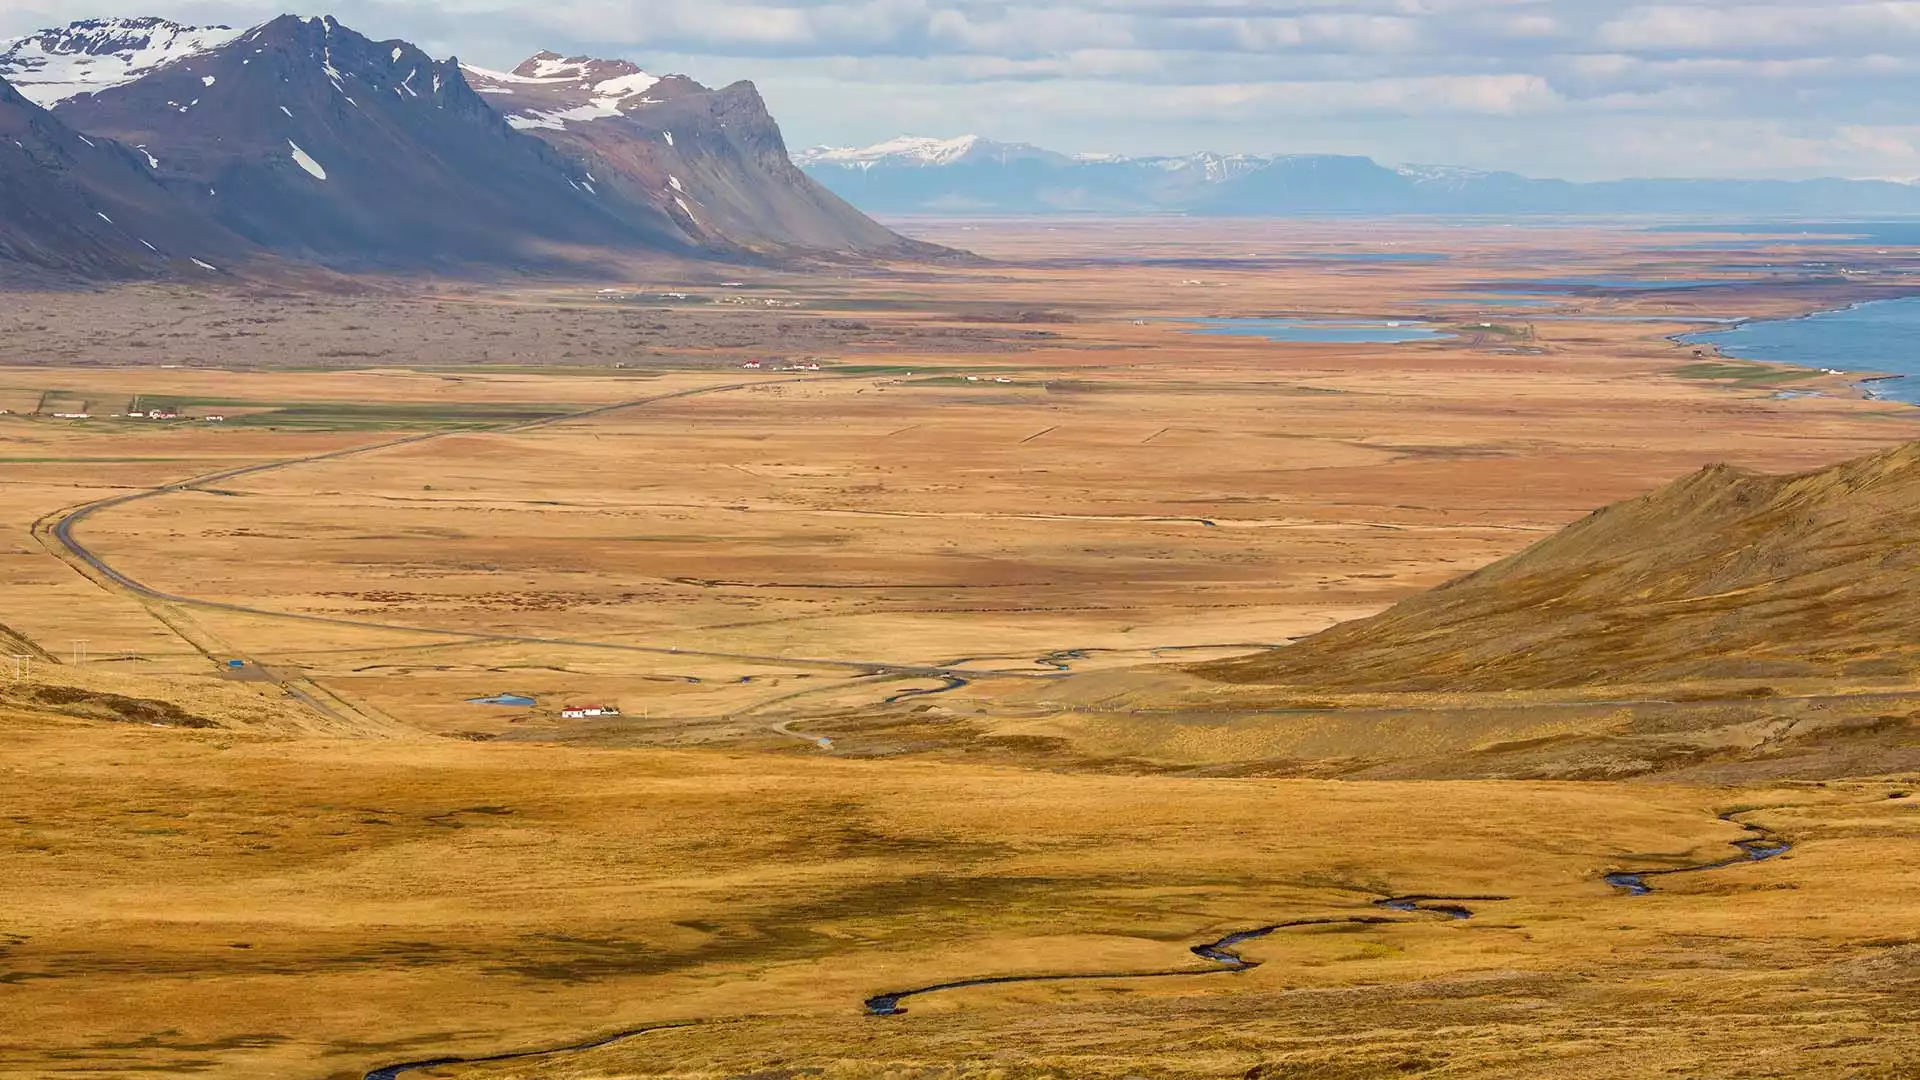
x=950, y=683
x=392, y=1072
x=1222, y=952
x=1760, y=847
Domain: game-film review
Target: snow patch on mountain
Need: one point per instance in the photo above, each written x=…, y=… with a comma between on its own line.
x=1441, y=174
x=91, y=55
x=914, y=152
x=626, y=86
x=559, y=91
x=305, y=161
x=905, y=150
x=491, y=75
x=557, y=119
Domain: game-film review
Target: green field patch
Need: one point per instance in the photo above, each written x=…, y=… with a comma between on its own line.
x=357, y=416
x=347, y=415
x=870, y=369
x=628, y=371
x=1741, y=374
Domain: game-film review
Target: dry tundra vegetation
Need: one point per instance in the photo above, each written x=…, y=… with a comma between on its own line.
x=969, y=655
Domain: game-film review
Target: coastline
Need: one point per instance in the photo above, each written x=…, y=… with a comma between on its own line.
x=1860, y=381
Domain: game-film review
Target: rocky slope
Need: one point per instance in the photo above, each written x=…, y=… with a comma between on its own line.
x=713, y=161
x=314, y=141
x=1726, y=575
x=75, y=206
x=56, y=64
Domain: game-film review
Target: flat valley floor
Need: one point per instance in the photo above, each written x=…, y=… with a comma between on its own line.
x=892, y=577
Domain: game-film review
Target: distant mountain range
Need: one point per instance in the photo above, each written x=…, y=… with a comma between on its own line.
x=141, y=146
x=972, y=175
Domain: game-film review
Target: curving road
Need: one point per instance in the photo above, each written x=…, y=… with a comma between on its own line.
x=62, y=532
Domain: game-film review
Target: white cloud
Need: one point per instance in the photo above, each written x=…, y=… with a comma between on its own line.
x=1583, y=87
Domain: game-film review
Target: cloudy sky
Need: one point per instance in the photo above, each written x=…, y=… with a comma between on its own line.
x=1575, y=88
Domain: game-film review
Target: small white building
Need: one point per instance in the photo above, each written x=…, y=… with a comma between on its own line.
x=585, y=712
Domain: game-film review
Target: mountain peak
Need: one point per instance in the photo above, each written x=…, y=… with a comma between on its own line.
x=84, y=57
x=551, y=66
x=908, y=151
x=551, y=91
x=304, y=135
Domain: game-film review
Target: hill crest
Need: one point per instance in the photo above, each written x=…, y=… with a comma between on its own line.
x=1724, y=574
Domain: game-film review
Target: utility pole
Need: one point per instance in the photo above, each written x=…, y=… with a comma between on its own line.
x=22, y=665
x=79, y=651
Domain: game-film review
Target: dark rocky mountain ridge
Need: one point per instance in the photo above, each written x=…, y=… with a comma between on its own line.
x=712, y=160
x=303, y=139
x=315, y=141
x=78, y=206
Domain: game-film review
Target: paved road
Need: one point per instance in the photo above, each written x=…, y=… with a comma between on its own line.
x=62, y=531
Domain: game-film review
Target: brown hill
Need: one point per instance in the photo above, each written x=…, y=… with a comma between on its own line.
x=1723, y=575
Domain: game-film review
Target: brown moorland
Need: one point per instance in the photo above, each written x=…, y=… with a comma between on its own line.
x=1723, y=575
x=1021, y=503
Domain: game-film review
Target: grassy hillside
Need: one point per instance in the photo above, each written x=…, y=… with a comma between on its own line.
x=1723, y=575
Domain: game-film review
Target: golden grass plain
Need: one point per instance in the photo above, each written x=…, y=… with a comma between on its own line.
x=352, y=865
x=200, y=904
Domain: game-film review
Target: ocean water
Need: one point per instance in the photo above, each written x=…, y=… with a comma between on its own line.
x=1343, y=331
x=1881, y=337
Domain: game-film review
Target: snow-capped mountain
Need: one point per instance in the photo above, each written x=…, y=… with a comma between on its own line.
x=74, y=205
x=51, y=66
x=913, y=152
x=313, y=140
x=304, y=138
x=711, y=160
x=301, y=138
x=550, y=91
x=973, y=174
x=907, y=150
